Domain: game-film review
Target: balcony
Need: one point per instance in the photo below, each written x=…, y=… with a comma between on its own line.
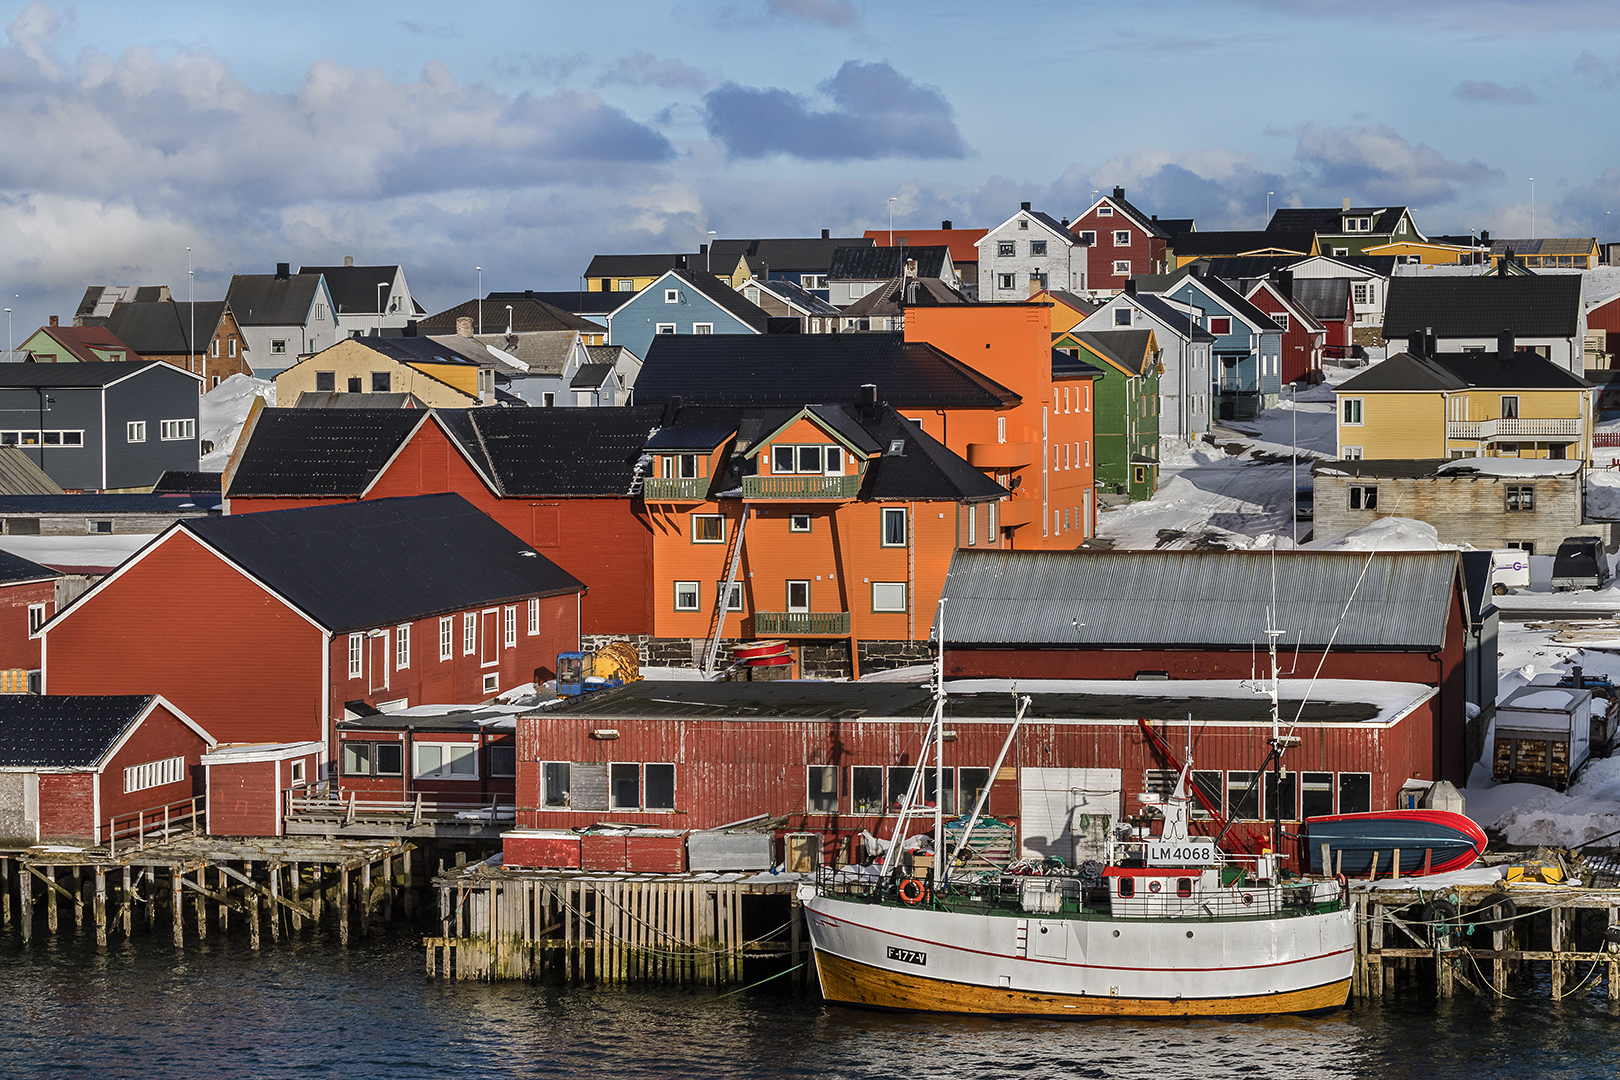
x=1015, y=512
x=1000, y=455
x=667, y=489
x=1513, y=429
x=801, y=624
x=801, y=487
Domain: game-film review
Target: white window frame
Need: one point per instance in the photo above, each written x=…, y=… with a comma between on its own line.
x=703, y=328
x=1122, y=316
x=787, y=596
x=665, y=328
x=1225, y=320
x=1349, y=406
x=697, y=596
x=1350, y=453
x=177, y=430
x=278, y=346
x=1281, y=319
x=1122, y=267
x=447, y=637
x=357, y=655
x=672, y=296
x=36, y=618
x=153, y=774
x=534, y=617
x=1088, y=237
x=1105, y=211
x=135, y=431
x=887, y=605
x=887, y=513
x=734, y=599
x=402, y=646
x=492, y=682
x=446, y=769
x=509, y=626
x=1126, y=242
x=794, y=523
x=625, y=284
x=469, y=633
x=695, y=518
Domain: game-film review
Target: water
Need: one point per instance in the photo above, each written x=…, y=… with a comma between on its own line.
x=311, y=1008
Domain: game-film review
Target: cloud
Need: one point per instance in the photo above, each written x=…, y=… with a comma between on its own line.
x=1380, y=166
x=645, y=69
x=1487, y=92
x=33, y=34
x=446, y=30
x=837, y=13
x=551, y=68
x=877, y=113
x=1598, y=72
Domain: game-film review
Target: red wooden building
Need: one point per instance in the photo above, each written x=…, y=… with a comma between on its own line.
x=836, y=758
x=27, y=600
x=248, y=785
x=1605, y=316
x=88, y=768
x=562, y=479
x=1122, y=241
x=448, y=755
x=265, y=626
x=1391, y=617
x=1304, y=337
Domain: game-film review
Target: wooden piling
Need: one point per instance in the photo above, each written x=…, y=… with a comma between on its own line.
x=5, y=892
x=177, y=907
x=50, y=900
x=126, y=906
x=78, y=900
x=274, y=905
x=343, y=908
x=200, y=898
x=252, y=896
x=101, y=908
x=365, y=899
x=225, y=908
x=25, y=898
x=1556, y=944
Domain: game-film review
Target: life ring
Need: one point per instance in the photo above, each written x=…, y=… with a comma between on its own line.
x=1153, y=886
x=1248, y=898
x=912, y=891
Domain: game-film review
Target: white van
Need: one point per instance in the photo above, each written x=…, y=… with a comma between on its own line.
x=1510, y=569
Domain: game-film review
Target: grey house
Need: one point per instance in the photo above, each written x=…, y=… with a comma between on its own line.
x=102, y=427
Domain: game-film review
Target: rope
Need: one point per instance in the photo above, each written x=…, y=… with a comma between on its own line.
x=761, y=982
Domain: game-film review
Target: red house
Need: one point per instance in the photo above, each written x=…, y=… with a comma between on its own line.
x=1122, y=241
x=565, y=480
x=88, y=768
x=1605, y=316
x=27, y=600
x=264, y=626
x=1303, y=336
x=455, y=756
x=248, y=785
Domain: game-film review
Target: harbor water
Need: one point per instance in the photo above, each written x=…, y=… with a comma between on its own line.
x=311, y=1008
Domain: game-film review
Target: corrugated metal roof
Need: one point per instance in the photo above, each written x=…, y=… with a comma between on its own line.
x=1192, y=598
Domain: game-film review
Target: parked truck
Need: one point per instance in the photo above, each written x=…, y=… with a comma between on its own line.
x=1581, y=563
x=1543, y=733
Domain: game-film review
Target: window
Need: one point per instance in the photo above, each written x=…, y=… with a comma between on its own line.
x=1088, y=237
x=1521, y=498
x=1006, y=249
x=1139, y=474
x=899, y=785
x=469, y=633
x=799, y=523
x=446, y=761
x=1316, y=794
x=821, y=789
x=176, y=430
x=1037, y=247
x=357, y=644
x=1242, y=799
x=36, y=617
x=1364, y=496
x=1219, y=325
x=534, y=617
x=666, y=328
x=1350, y=411
x=1526, y=546
x=627, y=284
x=798, y=596
x=278, y=345
x=103, y=526
x=373, y=759
x=1285, y=796
x=1007, y=281
x=1122, y=238
x=1122, y=316
x=1281, y=319
x=214, y=349
x=672, y=296
x=1510, y=406
x=1127, y=888
x=624, y=786
x=554, y=784
x=1350, y=453
x=973, y=783
x=686, y=596
x=1355, y=793
x=446, y=638
x=503, y=760
x=509, y=626
x=154, y=774
x=812, y=281
x=888, y=596
x=866, y=789
x=1362, y=293
x=703, y=328
x=894, y=526
x=135, y=431
x=734, y=598
x=1037, y=279
x=402, y=647
x=320, y=312
x=660, y=789
x=708, y=529
x=1122, y=267
x=295, y=772
x=1105, y=211
x=1023, y=223
x=809, y=459
x=326, y=381
x=230, y=347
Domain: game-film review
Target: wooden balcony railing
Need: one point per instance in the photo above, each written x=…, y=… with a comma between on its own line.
x=347, y=807
x=801, y=624
x=674, y=489
x=1513, y=428
x=801, y=487
x=157, y=823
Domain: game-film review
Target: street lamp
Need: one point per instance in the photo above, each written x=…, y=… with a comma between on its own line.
x=381, y=285
x=892, y=199
x=9, y=349
x=1532, y=208
x=191, y=304
x=480, y=270
x=708, y=250
x=508, y=320
x=1269, y=194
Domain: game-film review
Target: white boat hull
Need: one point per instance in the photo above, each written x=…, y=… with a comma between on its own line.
x=885, y=956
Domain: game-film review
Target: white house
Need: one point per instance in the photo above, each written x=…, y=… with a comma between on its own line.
x=1186, y=354
x=369, y=299
x=1029, y=252
x=283, y=316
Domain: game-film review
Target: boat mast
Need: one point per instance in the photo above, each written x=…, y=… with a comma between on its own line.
x=939, y=752
x=933, y=734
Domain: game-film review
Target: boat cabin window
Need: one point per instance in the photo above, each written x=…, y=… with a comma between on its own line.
x=1127, y=887
x=1184, y=887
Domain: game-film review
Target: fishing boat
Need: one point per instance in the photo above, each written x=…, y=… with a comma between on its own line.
x=1429, y=842
x=1168, y=925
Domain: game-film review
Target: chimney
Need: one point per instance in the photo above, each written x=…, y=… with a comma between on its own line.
x=911, y=268
x=1505, y=346
x=1346, y=204
x=53, y=321
x=680, y=262
x=1414, y=343
x=528, y=294
x=348, y=260
x=283, y=271
x=1195, y=270
x=826, y=234
x=946, y=225
x=1064, y=223
x=1023, y=206
x=1119, y=193
x=703, y=249
x=1130, y=286
x=869, y=399
x=464, y=326
x=410, y=328
x=1285, y=284
x=1484, y=236
x=1431, y=344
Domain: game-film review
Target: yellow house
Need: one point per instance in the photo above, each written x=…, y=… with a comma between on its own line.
x=1431, y=253
x=438, y=376
x=1575, y=253
x=1068, y=310
x=1462, y=405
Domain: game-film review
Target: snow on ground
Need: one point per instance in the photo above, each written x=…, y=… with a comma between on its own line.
x=918, y=674
x=104, y=551
x=224, y=411
x=1603, y=493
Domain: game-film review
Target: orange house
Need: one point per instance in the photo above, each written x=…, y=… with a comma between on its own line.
x=1040, y=448
x=829, y=526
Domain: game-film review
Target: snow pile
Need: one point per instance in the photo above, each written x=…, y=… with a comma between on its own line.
x=224, y=410
x=1511, y=466
x=1386, y=534
x=1528, y=814
x=1603, y=494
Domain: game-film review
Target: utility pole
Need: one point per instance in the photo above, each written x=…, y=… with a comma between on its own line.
x=480, y=270
x=191, y=305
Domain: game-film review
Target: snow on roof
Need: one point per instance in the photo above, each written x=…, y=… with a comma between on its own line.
x=1392, y=699
x=84, y=554
x=1544, y=697
x=1508, y=466
x=1386, y=534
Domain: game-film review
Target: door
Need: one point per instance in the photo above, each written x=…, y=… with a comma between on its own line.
x=377, y=658
x=489, y=637
x=798, y=596
x=1067, y=813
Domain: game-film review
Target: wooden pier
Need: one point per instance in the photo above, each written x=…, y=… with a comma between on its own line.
x=186, y=883
x=692, y=928
x=1491, y=940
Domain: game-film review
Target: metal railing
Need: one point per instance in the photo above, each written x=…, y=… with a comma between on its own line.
x=1500, y=428
x=665, y=489
x=801, y=487
x=348, y=807
x=158, y=822
x=801, y=623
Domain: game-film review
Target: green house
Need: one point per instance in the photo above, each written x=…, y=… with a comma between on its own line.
x=55, y=344
x=1125, y=419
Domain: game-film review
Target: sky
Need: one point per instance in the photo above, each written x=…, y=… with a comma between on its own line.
x=525, y=137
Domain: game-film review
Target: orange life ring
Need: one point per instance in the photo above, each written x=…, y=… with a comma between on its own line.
x=1153, y=886
x=913, y=891
x=1248, y=898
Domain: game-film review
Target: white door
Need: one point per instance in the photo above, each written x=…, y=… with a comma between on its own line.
x=1067, y=813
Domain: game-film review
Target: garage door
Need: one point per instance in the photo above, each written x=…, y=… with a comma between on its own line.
x=1066, y=813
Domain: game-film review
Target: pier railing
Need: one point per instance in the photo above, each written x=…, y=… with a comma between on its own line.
x=158, y=822
x=348, y=807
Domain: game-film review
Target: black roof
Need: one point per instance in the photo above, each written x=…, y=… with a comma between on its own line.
x=591, y=376
x=632, y=266
x=1176, y=319
x=1457, y=371
x=1325, y=298
x=574, y=301
x=162, y=327
x=71, y=375
x=1065, y=366
x=923, y=469
x=187, y=482
x=92, y=296
x=1152, y=224
x=15, y=569
x=1229, y=298
x=1127, y=348
x=880, y=263
x=271, y=300
x=1048, y=220
x=1330, y=219
x=1531, y=305
x=791, y=369
x=794, y=293
x=65, y=731
x=1477, y=567
x=1236, y=242
x=528, y=313
x=353, y=565
x=354, y=288
x=319, y=452
x=424, y=350
x=556, y=452
x=791, y=254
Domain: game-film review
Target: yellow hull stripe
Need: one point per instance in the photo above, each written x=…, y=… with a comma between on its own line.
x=851, y=982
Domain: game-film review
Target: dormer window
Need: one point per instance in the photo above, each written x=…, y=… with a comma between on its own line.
x=1357, y=224
x=686, y=466
x=790, y=458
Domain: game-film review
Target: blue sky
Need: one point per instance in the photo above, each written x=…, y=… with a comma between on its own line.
x=524, y=137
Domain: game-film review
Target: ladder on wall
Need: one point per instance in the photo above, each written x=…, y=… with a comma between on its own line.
x=717, y=625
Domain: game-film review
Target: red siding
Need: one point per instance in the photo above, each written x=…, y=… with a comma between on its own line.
x=183, y=624
x=17, y=650
x=161, y=735
x=406, y=787
x=1300, y=354
x=67, y=806
x=1606, y=316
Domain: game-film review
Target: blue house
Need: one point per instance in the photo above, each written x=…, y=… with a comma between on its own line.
x=1246, y=368
x=682, y=302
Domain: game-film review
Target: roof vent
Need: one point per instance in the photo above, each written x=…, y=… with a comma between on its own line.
x=826, y=234
x=348, y=260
